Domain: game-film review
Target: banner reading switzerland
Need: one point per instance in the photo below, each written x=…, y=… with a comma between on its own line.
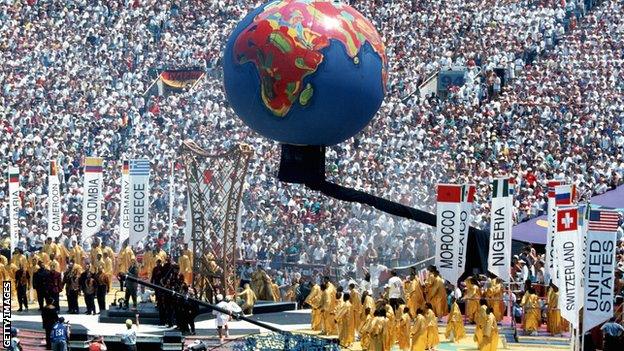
x=15, y=204
x=139, y=200
x=55, y=224
x=569, y=263
x=92, y=197
x=499, y=258
x=448, y=228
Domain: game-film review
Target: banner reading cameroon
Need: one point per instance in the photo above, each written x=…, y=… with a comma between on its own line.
x=448, y=227
x=468, y=192
x=569, y=263
x=124, y=210
x=549, y=266
x=599, y=267
x=92, y=197
x=55, y=222
x=177, y=80
x=499, y=257
x=15, y=204
x=139, y=200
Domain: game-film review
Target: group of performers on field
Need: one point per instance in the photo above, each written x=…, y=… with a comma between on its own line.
x=410, y=319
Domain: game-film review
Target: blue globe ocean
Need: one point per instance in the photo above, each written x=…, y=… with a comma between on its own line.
x=305, y=72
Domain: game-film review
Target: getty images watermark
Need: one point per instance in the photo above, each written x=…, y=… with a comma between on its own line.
x=6, y=313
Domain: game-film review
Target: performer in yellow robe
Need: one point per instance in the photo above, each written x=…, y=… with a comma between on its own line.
x=49, y=247
x=111, y=254
x=480, y=320
x=54, y=264
x=186, y=269
x=433, y=339
x=356, y=304
x=249, y=299
x=124, y=259
x=19, y=259
x=63, y=255
x=494, y=295
x=107, y=268
x=377, y=331
x=490, y=332
x=455, y=330
x=390, y=327
x=345, y=322
x=45, y=258
x=96, y=250
x=403, y=328
x=314, y=300
x=472, y=296
x=555, y=323
x=438, y=296
x=147, y=264
x=327, y=311
x=367, y=303
x=77, y=254
x=414, y=293
x=275, y=292
x=419, y=332
x=532, y=312
x=365, y=329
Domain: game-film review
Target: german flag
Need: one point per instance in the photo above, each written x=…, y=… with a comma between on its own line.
x=53, y=168
x=13, y=175
x=93, y=165
x=181, y=79
x=125, y=168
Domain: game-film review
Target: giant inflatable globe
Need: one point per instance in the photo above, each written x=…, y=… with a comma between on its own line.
x=305, y=72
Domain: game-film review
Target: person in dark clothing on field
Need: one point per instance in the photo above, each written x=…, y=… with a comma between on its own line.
x=131, y=286
x=22, y=278
x=55, y=286
x=49, y=317
x=40, y=284
x=102, y=283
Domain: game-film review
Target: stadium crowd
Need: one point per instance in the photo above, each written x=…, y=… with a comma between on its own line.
x=74, y=77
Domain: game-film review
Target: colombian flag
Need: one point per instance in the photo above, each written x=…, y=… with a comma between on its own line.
x=93, y=165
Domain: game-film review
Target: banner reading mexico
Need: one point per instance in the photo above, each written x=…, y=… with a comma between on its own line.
x=15, y=204
x=599, y=267
x=569, y=263
x=139, y=200
x=124, y=210
x=549, y=266
x=55, y=223
x=448, y=227
x=468, y=193
x=499, y=257
x=92, y=197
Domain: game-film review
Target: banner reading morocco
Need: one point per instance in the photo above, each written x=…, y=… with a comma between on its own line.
x=15, y=204
x=569, y=263
x=468, y=192
x=92, y=197
x=139, y=200
x=448, y=227
x=55, y=224
x=124, y=210
x=599, y=267
x=499, y=257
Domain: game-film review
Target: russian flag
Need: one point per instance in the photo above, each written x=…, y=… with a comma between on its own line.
x=564, y=194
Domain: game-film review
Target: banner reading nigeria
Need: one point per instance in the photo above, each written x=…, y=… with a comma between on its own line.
x=499, y=258
x=92, y=197
x=139, y=200
x=15, y=204
x=55, y=224
x=448, y=228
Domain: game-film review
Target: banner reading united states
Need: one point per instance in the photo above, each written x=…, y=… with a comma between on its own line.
x=499, y=258
x=139, y=200
x=55, y=224
x=15, y=204
x=92, y=197
x=448, y=227
x=599, y=267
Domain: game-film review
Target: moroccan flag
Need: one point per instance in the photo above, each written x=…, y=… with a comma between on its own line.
x=449, y=193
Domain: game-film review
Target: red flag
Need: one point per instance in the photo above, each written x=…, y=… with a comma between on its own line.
x=449, y=193
x=207, y=176
x=567, y=219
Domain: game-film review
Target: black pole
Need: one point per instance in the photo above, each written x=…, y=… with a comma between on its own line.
x=237, y=316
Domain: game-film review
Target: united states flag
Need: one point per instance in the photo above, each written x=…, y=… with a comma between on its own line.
x=603, y=221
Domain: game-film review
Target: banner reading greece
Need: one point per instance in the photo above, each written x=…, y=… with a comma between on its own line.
x=468, y=192
x=564, y=196
x=549, y=266
x=92, y=197
x=600, y=267
x=569, y=263
x=15, y=204
x=55, y=223
x=139, y=200
x=447, y=231
x=499, y=258
x=124, y=210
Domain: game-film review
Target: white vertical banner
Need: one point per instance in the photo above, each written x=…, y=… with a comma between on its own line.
x=447, y=231
x=468, y=192
x=499, y=254
x=139, y=200
x=55, y=216
x=583, y=219
x=188, y=220
x=15, y=204
x=549, y=266
x=569, y=258
x=564, y=195
x=92, y=197
x=124, y=206
x=599, y=267
x=171, y=196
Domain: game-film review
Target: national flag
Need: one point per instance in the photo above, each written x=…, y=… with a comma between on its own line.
x=449, y=193
x=207, y=176
x=567, y=219
x=500, y=187
x=140, y=167
x=13, y=175
x=125, y=168
x=512, y=186
x=564, y=194
x=93, y=164
x=468, y=193
x=604, y=221
x=53, y=168
x=551, y=187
